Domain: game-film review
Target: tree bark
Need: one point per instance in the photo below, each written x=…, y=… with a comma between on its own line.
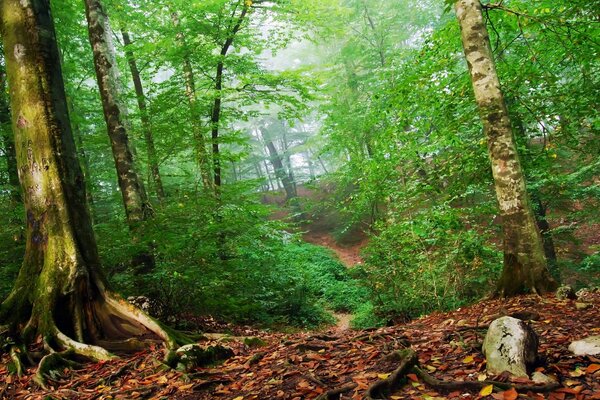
x=525, y=268
x=202, y=156
x=215, y=117
x=132, y=188
x=8, y=140
x=60, y=294
x=145, y=119
x=280, y=173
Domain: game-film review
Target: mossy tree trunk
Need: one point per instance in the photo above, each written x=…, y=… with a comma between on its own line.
x=525, y=268
x=7, y=140
x=60, y=294
x=145, y=118
x=132, y=188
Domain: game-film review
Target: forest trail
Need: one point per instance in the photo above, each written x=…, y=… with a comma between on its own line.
x=348, y=254
x=305, y=365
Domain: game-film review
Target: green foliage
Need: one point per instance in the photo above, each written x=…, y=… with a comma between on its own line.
x=268, y=276
x=427, y=261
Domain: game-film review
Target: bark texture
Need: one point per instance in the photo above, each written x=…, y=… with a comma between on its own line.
x=60, y=294
x=525, y=269
x=132, y=188
x=7, y=139
x=145, y=118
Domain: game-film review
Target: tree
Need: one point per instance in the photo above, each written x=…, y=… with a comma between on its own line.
x=60, y=294
x=132, y=188
x=7, y=140
x=146, y=127
x=525, y=267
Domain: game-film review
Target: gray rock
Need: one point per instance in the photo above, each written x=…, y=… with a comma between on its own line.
x=565, y=292
x=590, y=346
x=510, y=345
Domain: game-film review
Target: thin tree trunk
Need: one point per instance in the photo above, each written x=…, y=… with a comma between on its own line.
x=311, y=167
x=202, y=156
x=288, y=160
x=280, y=170
x=8, y=140
x=146, y=126
x=215, y=117
x=269, y=176
x=83, y=158
x=60, y=295
x=525, y=268
x=132, y=188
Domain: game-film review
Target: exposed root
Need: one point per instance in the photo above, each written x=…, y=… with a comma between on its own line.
x=334, y=394
x=444, y=386
x=89, y=351
x=384, y=388
x=409, y=362
x=51, y=365
x=17, y=354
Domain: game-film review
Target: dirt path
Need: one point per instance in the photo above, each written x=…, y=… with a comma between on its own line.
x=349, y=255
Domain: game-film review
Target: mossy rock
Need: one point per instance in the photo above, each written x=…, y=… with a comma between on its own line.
x=255, y=342
x=195, y=356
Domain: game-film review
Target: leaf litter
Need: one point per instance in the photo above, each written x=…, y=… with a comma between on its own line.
x=309, y=365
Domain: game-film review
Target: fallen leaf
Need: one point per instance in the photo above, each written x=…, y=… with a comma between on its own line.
x=510, y=394
x=486, y=391
x=468, y=359
x=592, y=368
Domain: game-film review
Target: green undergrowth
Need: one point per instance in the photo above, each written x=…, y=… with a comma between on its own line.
x=238, y=266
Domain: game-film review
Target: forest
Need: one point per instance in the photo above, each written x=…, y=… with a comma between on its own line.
x=299, y=199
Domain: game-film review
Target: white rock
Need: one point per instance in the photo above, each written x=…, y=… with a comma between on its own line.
x=510, y=345
x=589, y=346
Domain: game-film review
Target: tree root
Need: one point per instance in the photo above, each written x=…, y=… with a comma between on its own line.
x=383, y=388
x=51, y=364
x=409, y=362
x=334, y=394
x=477, y=385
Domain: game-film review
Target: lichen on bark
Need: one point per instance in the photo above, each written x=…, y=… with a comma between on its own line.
x=525, y=268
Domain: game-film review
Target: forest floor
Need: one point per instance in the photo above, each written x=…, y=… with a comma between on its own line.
x=308, y=364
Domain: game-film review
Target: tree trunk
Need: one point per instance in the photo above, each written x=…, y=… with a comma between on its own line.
x=60, y=294
x=280, y=173
x=8, y=140
x=525, y=269
x=215, y=117
x=202, y=156
x=83, y=159
x=146, y=126
x=136, y=203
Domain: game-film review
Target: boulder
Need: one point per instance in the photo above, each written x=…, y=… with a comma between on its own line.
x=193, y=356
x=510, y=345
x=590, y=346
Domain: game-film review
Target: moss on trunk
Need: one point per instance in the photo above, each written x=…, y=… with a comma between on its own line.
x=60, y=294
